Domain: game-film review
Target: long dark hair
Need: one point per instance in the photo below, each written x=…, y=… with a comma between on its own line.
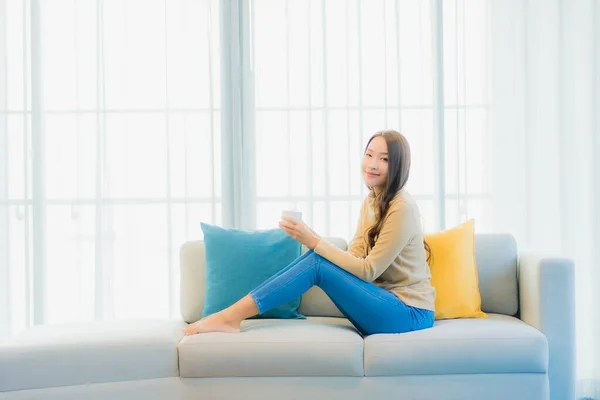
x=399, y=161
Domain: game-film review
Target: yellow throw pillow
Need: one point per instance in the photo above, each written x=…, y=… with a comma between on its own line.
x=454, y=272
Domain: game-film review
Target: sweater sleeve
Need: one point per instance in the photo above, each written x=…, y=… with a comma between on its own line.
x=395, y=234
x=357, y=245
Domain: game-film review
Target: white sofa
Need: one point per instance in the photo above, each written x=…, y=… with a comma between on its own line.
x=524, y=350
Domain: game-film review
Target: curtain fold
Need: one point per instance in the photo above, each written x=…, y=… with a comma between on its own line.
x=546, y=153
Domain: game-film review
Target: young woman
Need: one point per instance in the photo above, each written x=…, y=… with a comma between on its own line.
x=382, y=283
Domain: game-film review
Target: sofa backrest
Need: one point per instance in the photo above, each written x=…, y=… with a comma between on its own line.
x=496, y=257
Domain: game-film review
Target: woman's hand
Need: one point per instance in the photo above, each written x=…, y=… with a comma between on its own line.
x=300, y=231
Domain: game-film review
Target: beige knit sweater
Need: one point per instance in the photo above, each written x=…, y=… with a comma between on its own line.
x=397, y=262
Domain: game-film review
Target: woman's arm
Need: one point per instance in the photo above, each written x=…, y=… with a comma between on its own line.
x=306, y=236
x=398, y=229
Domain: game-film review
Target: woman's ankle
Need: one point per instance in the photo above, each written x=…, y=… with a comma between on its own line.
x=244, y=308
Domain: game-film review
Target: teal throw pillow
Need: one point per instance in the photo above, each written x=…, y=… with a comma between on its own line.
x=237, y=261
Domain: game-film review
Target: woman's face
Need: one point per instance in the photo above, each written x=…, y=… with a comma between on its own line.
x=375, y=164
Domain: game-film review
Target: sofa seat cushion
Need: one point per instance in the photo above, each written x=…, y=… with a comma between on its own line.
x=317, y=346
x=498, y=344
x=94, y=352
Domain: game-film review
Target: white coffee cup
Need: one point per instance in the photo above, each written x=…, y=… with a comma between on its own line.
x=297, y=215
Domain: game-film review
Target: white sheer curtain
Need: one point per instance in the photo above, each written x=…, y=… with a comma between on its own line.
x=109, y=154
x=546, y=145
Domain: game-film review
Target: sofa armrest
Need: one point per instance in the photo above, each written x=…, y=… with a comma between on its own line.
x=547, y=302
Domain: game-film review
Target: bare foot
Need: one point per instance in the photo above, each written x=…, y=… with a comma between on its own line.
x=213, y=323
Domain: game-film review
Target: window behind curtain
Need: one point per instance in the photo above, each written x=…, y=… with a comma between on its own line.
x=127, y=113
x=329, y=74
x=131, y=142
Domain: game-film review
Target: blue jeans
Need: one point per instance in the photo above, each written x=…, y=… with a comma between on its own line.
x=371, y=309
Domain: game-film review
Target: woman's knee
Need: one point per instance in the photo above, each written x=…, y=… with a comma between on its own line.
x=327, y=265
x=328, y=272
x=313, y=257
x=310, y=260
